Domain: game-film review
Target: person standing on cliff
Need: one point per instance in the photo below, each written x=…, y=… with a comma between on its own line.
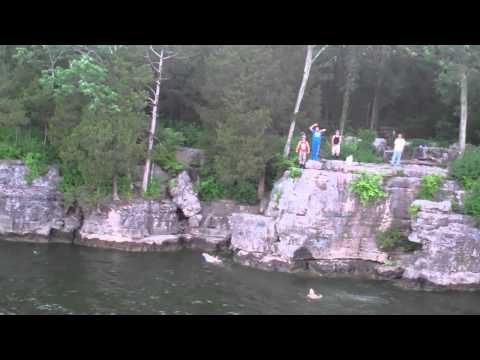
x=398, y=150
x=303, y=149
x=316, y=140
x=336, y=141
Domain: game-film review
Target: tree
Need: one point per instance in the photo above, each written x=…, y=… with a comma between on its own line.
x=351, y=75
x=238, y=112
x=104, y=144
x=458, y=63
x=311, y=56
x=157, y=67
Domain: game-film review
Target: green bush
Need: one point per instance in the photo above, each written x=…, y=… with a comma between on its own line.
x=472, y=200
x=362, y=151
x=368, y=188
x=172, y=183
x=192, y=135
x=277, y=195
x=153, y=190
x=210, y=189
x=124, y=187
x=37, y=166
x=244, y=192
x=165, y=158
x=429, y=187
x=413, y=210
x=9, y=152
x=466, y=168
x=392, y=239
x=295, y=172
x=280, y=164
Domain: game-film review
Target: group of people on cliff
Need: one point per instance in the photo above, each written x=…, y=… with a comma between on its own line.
x=303, y=147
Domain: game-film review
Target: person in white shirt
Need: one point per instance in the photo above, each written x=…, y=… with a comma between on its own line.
x=398, y=150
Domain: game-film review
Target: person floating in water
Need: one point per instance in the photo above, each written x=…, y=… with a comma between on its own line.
x=316, y=140
x=336, y=141
x=303, y=149
x=398, y=150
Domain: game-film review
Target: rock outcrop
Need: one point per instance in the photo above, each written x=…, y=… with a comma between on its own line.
x=450, y=254
x=184, y=197
x=310, y=223
x=32, y=212
x=315, y=223
x=137, y=225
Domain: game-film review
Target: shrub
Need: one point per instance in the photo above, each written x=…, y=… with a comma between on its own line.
x=362, y=151
x=210, y=189
x=245, y=192
x=153, y=189
x=294, y=172
x=124, y=187
x=413, y=210
x=472, y=200
x=466, y=168
x=429, y=186
x=277, y=195
x=9, y=152
x=368, y=187
x=280, y=164
x=392, y=239
x=37, y=166
x=192, y=135
x=172, y=183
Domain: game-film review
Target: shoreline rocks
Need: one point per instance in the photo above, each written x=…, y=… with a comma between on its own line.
x=311, y=224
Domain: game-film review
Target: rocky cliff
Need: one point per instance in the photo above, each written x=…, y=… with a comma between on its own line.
x=312, y=223
x=315, y=223
x=32, y=212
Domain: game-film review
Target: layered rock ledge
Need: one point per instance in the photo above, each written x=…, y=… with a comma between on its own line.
x=312, y=223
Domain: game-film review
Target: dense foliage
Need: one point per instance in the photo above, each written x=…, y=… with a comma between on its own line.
x=86, y=108
x=466, y=168
x=394, y=239
x=429, y=186
x=368, y=188
x=472, y=200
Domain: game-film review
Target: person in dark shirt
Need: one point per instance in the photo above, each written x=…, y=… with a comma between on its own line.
x=336, y=141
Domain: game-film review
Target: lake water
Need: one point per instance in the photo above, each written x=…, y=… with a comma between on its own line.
x=66, y=279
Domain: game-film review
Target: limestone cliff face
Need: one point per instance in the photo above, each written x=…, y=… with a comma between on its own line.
x=32, y=212
x=315, y=223
x=316, y=217
x=311, y=223
x=450, y=246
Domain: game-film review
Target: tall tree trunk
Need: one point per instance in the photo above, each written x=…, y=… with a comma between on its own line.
x=261, y=186
x=374, y=113
x=115, y=188
x=464, y=109
x=345, y=107
x=153, y=124
x=45, y=133
x=301, y=92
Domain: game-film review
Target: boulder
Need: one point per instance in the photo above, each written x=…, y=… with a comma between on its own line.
x=184, y=197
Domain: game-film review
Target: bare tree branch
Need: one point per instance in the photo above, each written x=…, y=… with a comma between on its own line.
x=319, y=52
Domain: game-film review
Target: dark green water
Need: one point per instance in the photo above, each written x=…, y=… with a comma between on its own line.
x=64, y=279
